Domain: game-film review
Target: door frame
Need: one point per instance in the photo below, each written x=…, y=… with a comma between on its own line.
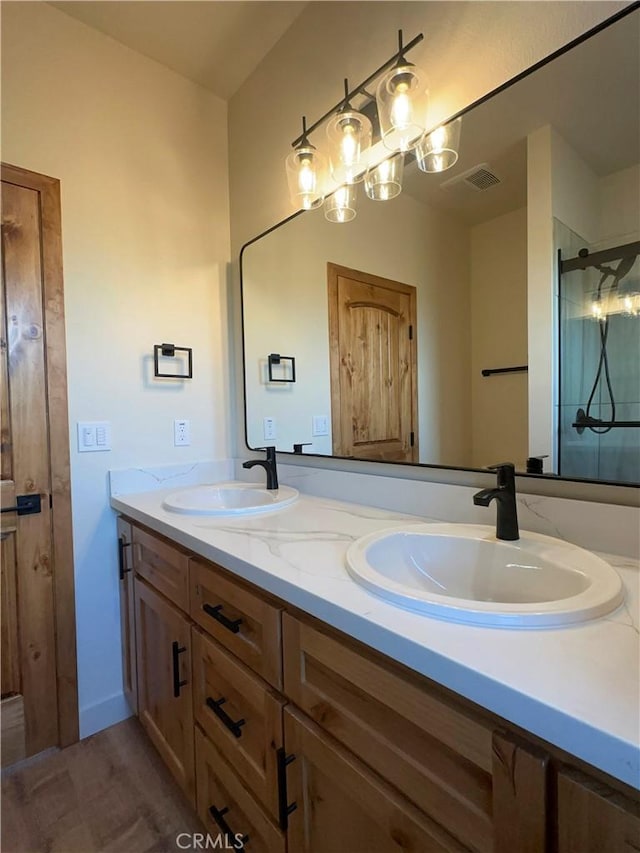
x=333, y=273
x=56, y=392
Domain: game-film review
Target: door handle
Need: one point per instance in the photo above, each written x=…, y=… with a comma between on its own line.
x=121, y=561
x=284, y=808
x=234, y=726
x=232, y=625
x=176, y=651
x=25, y=505
x=218, y=816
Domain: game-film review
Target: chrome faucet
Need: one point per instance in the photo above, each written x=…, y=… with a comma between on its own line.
x=269, y=465
x=505, y=497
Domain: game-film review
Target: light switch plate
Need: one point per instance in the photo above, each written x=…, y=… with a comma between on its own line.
x=269, y=429
x=94, y=436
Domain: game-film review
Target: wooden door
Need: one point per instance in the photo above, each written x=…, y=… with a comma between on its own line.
x=164, y=682
x=127, y=614
x=38, y=616
x=336, y=804
x=372, y=344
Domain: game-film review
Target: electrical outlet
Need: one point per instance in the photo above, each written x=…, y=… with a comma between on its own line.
x=269, y=429
x=181, y=433
x=320, y=425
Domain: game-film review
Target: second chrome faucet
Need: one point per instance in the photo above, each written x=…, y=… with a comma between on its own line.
x=505, y=497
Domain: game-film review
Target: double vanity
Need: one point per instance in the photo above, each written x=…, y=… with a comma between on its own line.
x=329, y=676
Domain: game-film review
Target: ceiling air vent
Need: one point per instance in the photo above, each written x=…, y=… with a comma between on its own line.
x=479, y=178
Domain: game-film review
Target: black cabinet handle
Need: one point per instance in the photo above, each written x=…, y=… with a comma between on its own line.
x=121, y=557
x=238, y=841
x=234, y=726
x=284, y=808
x=232, y=625
x=176, y=651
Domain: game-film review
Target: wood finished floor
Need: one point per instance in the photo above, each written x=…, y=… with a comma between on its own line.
x=110, y=792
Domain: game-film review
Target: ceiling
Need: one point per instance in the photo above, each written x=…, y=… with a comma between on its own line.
x=215, y=44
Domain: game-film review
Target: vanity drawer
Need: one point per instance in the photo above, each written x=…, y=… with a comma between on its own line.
x=437, y=756
x=238, y=618
x=163, y=565
x=221, y=793
x=241, y=715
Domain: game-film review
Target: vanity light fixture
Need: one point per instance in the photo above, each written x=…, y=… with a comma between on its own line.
x=305, y=172
x=402, y=99
x=349, y=136
x=384, y=181
x=341, y=205
x=437, y=151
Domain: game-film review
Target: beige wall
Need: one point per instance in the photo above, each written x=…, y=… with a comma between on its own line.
x=499, y=339
x=469, y=49
x=142, y=158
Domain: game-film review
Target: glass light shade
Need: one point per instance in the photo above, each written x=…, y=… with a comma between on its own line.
x=384, y=181
x=402, y=100
x=341, y=206
x=349, y=135
x=438, y=151
x=306, y=173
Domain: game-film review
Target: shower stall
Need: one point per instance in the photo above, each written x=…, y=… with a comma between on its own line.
x=599, y=365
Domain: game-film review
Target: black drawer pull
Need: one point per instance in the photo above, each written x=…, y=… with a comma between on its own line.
x=234, y=726
x=238, y=841
x=176, y=651
x=284, y=808
x=232, y=625
x=121, y=557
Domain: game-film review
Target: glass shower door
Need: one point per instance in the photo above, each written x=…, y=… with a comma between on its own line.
x=599, y=359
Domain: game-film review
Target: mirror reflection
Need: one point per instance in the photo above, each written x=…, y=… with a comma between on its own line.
x=488, y=312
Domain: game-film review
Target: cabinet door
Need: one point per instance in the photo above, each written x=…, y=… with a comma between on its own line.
x=520, y=785
x=336, y=804
x=433, y=753
x=163, y=565
x=127, y=615
x=592, y=818
x=241, y=714
x=226, y=808
x=164, y=688
x=240, y=620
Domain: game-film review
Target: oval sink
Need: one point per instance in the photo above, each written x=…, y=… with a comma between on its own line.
x=463, y=573
x=229, y=499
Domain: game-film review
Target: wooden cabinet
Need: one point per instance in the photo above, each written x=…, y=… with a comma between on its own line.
x=308, y=741
x=127, y=614
x=241, y=714
x=342, y=807
x=437, y=756
x=163, y=639
x=226, y=807
x=245, y=623
x=591, y=818
x=163, y=565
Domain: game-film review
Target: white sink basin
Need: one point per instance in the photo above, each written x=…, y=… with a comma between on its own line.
x=461, y=572
x=229, y=499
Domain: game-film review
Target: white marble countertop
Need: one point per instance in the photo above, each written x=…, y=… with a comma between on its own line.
x=576, y=687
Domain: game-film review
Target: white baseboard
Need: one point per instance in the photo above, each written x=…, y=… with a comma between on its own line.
x=103, y=714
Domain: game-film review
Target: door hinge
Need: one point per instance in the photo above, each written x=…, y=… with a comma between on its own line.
x=412, y=439
x=410, y=332
x=50, y=501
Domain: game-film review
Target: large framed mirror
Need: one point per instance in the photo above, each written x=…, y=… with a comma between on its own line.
x=488, y=313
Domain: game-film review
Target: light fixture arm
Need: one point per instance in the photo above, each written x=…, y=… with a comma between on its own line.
x=399, y=55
